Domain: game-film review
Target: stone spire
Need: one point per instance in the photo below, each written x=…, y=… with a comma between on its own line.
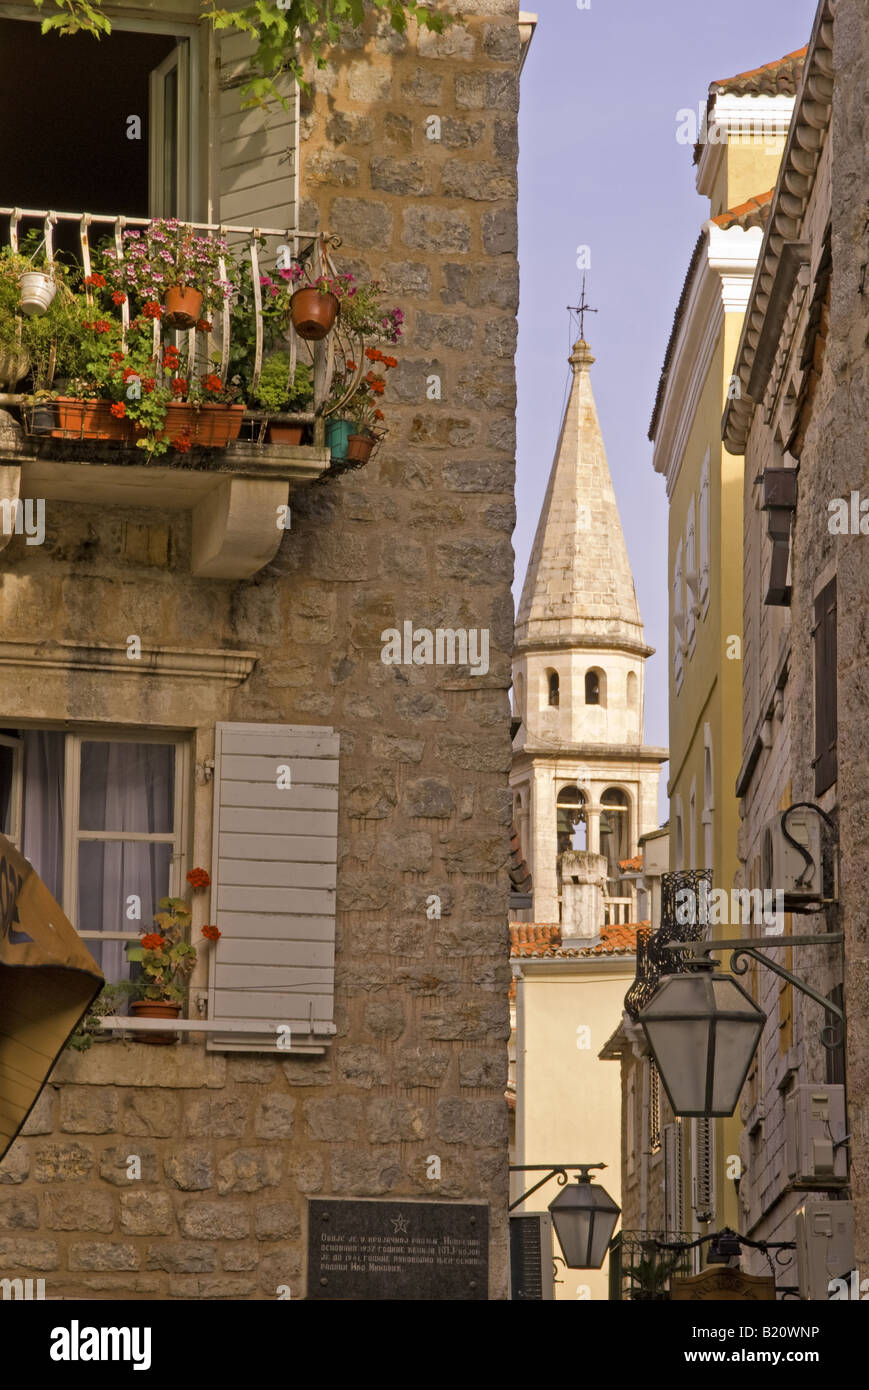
x=579, y=583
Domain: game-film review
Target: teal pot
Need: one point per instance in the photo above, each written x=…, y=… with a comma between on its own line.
x=338, y=433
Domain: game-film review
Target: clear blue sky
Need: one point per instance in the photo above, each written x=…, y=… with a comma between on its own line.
x=600, y=166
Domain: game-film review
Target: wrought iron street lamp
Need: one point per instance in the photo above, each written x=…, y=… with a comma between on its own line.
x=703, y=1029
x=584, y=1216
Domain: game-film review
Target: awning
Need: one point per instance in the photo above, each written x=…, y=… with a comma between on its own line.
x=47, y=982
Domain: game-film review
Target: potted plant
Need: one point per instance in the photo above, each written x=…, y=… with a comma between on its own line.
x=352, y=436
x=110, y=1000
x=169, y=270
x=277, y=395
x=314, y=308
x=168, y=958
x=14, y=357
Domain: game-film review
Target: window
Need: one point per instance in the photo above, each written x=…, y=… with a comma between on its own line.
x=552, y=677
x=704, y=532
x=100, y=817
x=708, y=800
x=692, y=827
x=654, y=1108
x=679, y=837
x=615, y=836
x=691, y=577
x=595, y=686
x=632, y=691
x=678, y=616
x=570, y=812
x=824, y=639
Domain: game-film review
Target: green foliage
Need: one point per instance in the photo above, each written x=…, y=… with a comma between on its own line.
x=109, y=1001
x=273, y=392
x=59, y=327
x=278, y=28
x=167, y=958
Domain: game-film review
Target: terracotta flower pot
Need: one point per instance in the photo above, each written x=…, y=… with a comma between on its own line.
x=77, y=419
x=217, y=425
x=284, y=434
x=359, y=448
x=155, y=1008
x=182, y=304
x=313, y=313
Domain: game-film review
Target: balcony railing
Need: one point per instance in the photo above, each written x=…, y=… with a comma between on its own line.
x=642, y=1263
x=617, y=911
x=260, y=245
x=683, y=918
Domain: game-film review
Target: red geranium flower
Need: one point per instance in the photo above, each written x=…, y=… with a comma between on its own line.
x=351, y=366
x=389, y=361
x=152, y=941
x=374, y=354
x=148, y=384
x=199, y=878
x=117, y=357
x=118, y=297
x=103, y=326
x=378, y=414
x=182, y=443
x=179, y=386
x=128, y=372
x=203, y=326
x=211, y=933
x=152, y=310
x=213, y=383
x=97, y=280
x=119, y=410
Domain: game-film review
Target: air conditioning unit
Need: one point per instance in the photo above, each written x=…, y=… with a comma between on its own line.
x=814, y=1127
x=784, y=868
x=825, y=1247
x=531, y=1268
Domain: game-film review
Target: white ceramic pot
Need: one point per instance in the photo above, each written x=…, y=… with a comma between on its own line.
x=37, y=292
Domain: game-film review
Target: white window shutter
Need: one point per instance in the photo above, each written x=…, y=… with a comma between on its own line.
x=673, y=1196
x=258, y=178
x=274, y=872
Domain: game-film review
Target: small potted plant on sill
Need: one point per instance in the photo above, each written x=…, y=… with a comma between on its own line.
x=170, y=266
x=168, y=959
x=277, y=395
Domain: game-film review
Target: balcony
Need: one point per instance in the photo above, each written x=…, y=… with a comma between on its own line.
x=239, y=491
x=654, y=959
x=642, y=1263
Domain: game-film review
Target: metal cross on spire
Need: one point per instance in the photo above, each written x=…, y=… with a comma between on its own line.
x=582, y=309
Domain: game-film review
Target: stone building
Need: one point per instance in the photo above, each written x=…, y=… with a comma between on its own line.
x=736, y=162
x=584, y=784
x=365, y=905
x=800, y=421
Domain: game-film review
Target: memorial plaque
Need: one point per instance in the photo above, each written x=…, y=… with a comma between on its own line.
x=397, y=1250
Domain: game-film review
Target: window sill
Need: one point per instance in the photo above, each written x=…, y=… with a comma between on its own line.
x=241, y=1029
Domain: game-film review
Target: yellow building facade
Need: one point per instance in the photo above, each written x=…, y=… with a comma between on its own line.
x=737, y=159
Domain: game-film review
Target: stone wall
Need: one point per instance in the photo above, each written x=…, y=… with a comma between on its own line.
x=231, y=1145
x=844, y=443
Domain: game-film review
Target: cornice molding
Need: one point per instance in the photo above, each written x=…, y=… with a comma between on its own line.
x=530, y=646
x=810, y=126
x=221, y=667
x=730, y=113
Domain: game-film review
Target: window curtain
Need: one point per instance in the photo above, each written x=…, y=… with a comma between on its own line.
x=42, y=828
x=124, y=787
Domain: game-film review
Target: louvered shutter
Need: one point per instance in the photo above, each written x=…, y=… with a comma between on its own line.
x=257, y=151
x=702, y=1168
x=274, y=871
x=824, y=636
x=672, y=1136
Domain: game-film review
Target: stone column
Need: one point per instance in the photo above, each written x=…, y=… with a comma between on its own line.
x=544, y=832
x=583, y=879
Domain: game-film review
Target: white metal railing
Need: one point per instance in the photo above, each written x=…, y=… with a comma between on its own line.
x=309, y=248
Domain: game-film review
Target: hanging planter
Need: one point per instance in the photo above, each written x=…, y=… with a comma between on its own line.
x=313, y=313
x=79, y=419
x=183, y=307
x=155, y=1008
x=37, y=292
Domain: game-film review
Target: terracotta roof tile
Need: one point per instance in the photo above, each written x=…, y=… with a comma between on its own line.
x=632, y=865
x=533, y=939
x=779, y=78
x=753, y=213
